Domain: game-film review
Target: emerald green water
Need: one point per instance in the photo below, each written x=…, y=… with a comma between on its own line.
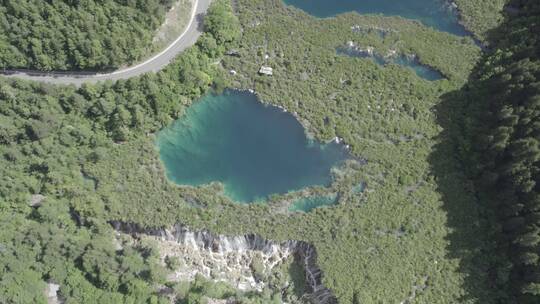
x=253, y=149
x=438, y=14
x=307, y=204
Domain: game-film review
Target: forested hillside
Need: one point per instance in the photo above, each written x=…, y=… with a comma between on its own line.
x=53, y=224
x=77, y=34
x=480, y=16
x=501, y=146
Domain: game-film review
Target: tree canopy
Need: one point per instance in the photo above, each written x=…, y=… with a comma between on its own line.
x=77, y=34
x=502, y=147
x=53, y=223
x=73, y=158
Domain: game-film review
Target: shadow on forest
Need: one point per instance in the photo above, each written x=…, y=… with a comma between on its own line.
x=199, y=19
x=472, y=240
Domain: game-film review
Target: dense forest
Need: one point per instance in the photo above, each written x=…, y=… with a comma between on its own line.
x=480, y=17
x=501, y=147
x=53, y=227
x=77, y=35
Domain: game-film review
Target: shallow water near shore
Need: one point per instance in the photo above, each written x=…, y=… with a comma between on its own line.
x=309, y=203
x=439, y=14
x=423, y=71
x=255, y=150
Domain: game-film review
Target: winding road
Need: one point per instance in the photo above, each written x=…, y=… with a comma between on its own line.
x=154, y=64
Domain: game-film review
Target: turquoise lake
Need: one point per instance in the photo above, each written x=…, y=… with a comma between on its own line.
x=255, y=150
x=438, y=14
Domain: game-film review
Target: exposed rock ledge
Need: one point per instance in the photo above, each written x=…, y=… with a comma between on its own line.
x=52, y=293
x=220, y=257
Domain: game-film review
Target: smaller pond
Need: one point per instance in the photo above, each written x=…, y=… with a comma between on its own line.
x=439, y=14
x=358, y=188
x=253, y=149
x=411, y=62
x=309, y=203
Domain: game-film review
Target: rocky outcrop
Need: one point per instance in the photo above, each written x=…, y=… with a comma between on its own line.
x=232, y=258
x=36, y=200
x=359, y=51
x=52, y=293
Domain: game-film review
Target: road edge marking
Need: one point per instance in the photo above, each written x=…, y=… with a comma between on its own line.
x=193, y=13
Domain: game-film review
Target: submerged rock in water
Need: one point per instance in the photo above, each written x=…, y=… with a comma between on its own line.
x=243, y=261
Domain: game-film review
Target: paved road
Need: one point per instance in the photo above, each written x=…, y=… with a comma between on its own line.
x=154, y=64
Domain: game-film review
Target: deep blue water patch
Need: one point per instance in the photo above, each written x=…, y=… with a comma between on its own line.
x=309, y=203
x=255, y=150
x=439, y=14
x=411, y=62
